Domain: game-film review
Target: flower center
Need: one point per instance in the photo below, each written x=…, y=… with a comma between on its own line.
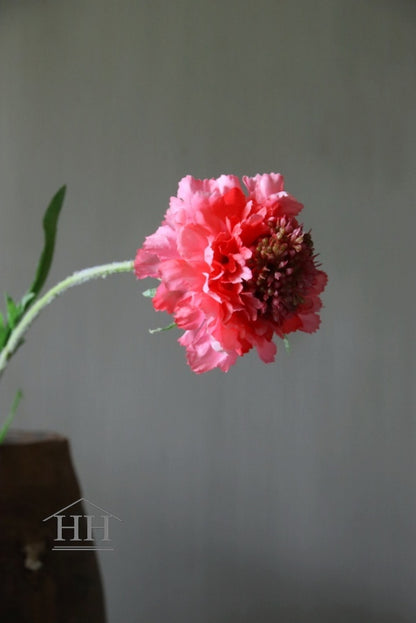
x=282, y=268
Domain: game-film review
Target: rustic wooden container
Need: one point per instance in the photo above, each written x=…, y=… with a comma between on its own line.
x=38, y=584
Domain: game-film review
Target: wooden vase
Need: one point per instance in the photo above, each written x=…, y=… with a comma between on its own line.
x=39, y=584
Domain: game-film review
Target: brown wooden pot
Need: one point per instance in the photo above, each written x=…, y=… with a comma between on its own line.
x=39, y=584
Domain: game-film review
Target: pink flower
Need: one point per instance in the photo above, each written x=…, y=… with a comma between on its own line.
x=235, y=269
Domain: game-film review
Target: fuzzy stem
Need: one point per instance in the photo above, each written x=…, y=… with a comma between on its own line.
x=81, y=276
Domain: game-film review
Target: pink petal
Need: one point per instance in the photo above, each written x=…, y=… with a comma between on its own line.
x=166, y=300
x=310, y=322
x=179, y=275
x=287, y=205
x=201, y=355
x=266, y=350
x=158, y=247
x=192, y=243
x=261, y=186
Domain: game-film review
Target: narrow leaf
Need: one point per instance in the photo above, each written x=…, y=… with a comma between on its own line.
x=4, y=332
x=4, y=335
x=9, y=420
x=12, y=312
x=160, y=329
x=149, y=294
x=24, y=303
x=50, y=223
x=287, y=344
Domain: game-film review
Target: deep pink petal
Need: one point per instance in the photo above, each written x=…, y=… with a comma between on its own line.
x=266, y=350
x=166, y=300
x=310, y=322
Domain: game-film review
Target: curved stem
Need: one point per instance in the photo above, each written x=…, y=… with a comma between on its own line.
x=79, y=277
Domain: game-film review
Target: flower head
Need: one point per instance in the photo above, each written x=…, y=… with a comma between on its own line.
x=235, y=269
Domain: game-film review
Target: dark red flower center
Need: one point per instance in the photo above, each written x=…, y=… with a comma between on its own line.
x=282, y=268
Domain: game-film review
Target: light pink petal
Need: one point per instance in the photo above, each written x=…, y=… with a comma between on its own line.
x=227, y=182
x=158, y=247
x=228, y=361
x=201, y=355
x=261, y=186
x=179, y=275
x=188, y=315
x=286, y=204
x=189, y=186
x=192, y=243
x=146, y=264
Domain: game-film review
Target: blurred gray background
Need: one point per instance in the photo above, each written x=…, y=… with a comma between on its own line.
x=272, y=493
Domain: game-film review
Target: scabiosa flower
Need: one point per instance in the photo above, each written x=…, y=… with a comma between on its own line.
x=235, y=269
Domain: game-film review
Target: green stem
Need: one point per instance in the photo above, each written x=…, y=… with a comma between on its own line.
x=6, y=425
x=81, y=276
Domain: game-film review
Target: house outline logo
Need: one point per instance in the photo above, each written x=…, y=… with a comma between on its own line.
x=90, y=525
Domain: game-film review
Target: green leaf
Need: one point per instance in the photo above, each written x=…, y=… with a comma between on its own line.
x=16, y=311
x=24, y=303
x=4, y=331
x=9, y=420
x=160, y=329
x=12, y=312
x=50, y=223
x=4, y=336
x=149, y=294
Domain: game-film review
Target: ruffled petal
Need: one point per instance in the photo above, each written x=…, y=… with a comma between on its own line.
x=261, y=186
x=157, y=248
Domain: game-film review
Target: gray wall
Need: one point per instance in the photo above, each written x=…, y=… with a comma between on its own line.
x=273, y=493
